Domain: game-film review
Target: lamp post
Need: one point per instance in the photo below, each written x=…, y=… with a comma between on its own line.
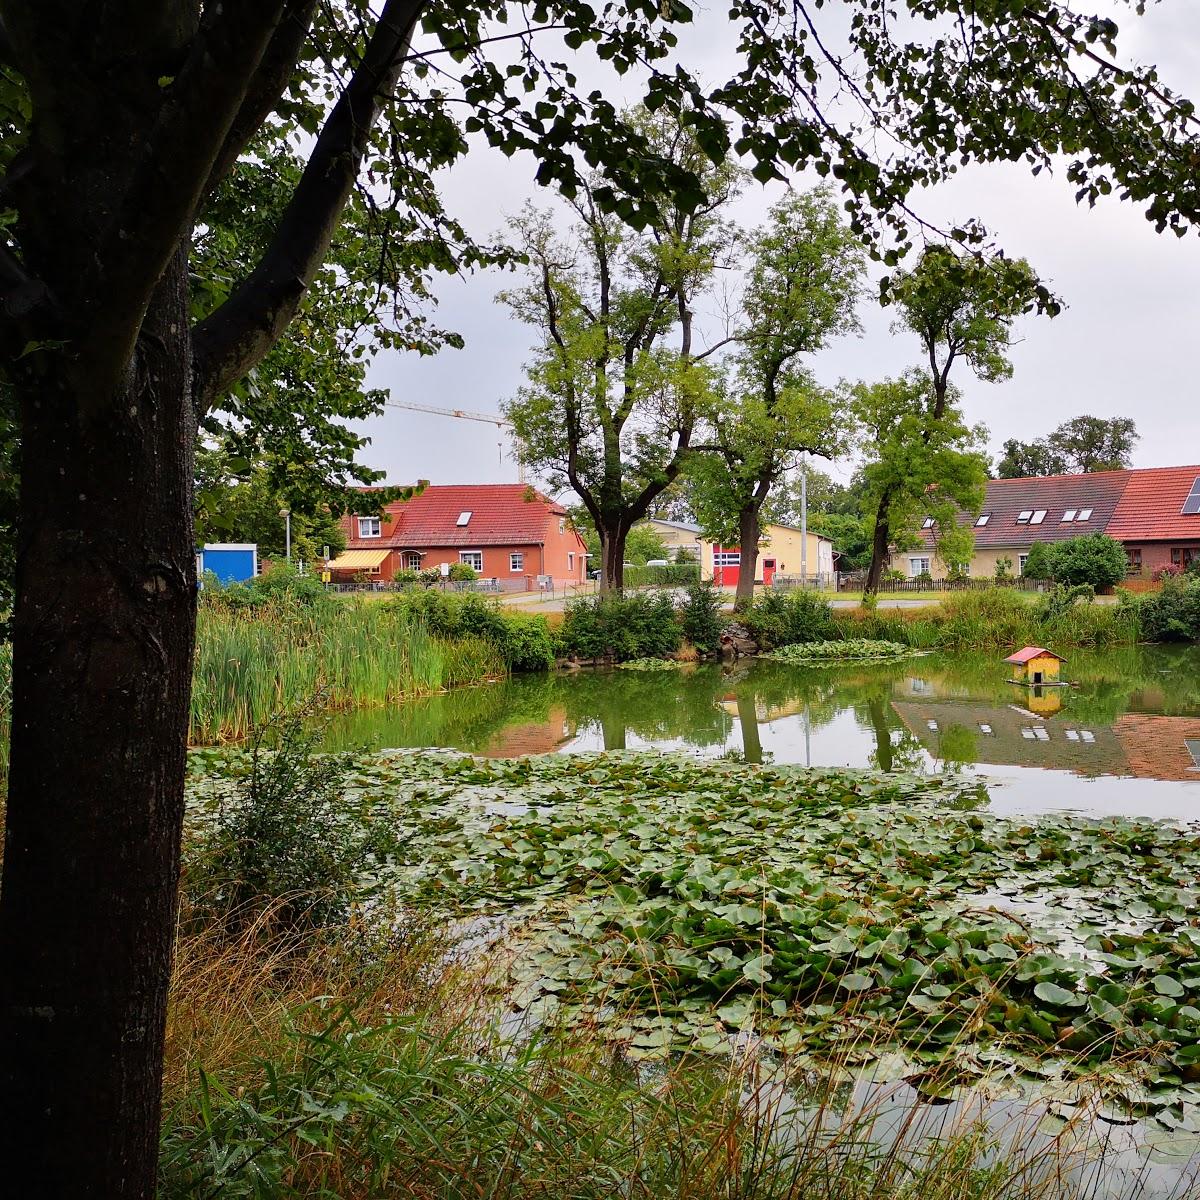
x=286, y=514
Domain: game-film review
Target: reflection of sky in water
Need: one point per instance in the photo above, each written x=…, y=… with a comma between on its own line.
x=1125, y=740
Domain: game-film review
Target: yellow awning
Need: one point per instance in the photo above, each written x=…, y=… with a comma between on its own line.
x=358, y=560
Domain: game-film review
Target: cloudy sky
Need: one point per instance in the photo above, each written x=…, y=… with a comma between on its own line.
x=1128, y=342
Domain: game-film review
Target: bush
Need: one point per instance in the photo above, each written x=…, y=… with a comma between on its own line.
x=1060, y=600
x=785, y=618
x=527, y=644
x=1172, y=614
x=1094, y=558
x=284, y=840
x=677, y=574
x=407, y=576
x=621, y=627
x=700, y=617
x=280, y=584
x=1037, y=562
x=461, y=572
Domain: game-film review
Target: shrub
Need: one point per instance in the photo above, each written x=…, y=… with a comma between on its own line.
x=1094, y=558
x=784, y=618
x=407, y=576
x=527, y=644
x=672, y=575
x=280, y=584
x=1037, y=563
x=461, y=572
x=621, y=627
x=1060, y=600
x=1172, y=614
x=285, y=839
x=700, y=617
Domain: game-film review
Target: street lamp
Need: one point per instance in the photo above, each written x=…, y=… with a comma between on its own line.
x=286, y=514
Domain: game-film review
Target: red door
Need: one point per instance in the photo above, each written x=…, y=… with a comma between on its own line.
x=768, y=570
x=726, y=566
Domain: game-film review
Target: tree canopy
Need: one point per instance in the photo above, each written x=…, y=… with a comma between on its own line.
x=1076, y=447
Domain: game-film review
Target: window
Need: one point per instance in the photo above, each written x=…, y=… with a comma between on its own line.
x=411, y=560
x=1023, y=517
x=1193, y=748
x=369, y=527
x=1022, y=559
x=473, y=558
x=562, y=526
x=927, y=523
x=1085, y=514
x=1069, y=515
x=1134, y=554
x=1086, y=735
x=1182, y=556
x=727, y=558
x=1038, y=517
x=983, y=520
x=464, y=518
x=918, y=566
x=1191, y=506
x=516, y=562
x=571, y=560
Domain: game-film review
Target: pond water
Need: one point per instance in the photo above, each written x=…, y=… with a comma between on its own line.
x=1124, y=738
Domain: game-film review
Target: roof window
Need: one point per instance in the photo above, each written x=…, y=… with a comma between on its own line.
x=1191, y=506
x=982, y=520
x=927, y=523
x=1069, y=515
x=1024, y=515
x=464, y=517
x=1038, y=517
x=1085, y=514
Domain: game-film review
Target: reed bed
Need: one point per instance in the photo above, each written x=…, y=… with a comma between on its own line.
x=252, y=663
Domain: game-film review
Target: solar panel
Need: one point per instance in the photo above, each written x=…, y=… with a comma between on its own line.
x=1191, y=506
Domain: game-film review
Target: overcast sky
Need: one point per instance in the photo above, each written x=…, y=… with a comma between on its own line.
x=1127, y=343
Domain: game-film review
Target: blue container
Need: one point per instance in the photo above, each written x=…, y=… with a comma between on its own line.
x=230, y=562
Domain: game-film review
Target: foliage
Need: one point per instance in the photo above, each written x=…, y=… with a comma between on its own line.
x=1039, y=563
x=850, y=535
x=1092, y=558
x=620, y=627
x=1061, y=599
x=461, y=572
x=523, y=639
x=254, y=661
x=1173, y=613
x=283, y=837
x=1077, y=446
x=849, y=650
x=700, y=619
x=676, y=574
x=650, y=664
x=784, y=618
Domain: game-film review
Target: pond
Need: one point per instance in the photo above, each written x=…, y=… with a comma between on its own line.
x=1123, y=739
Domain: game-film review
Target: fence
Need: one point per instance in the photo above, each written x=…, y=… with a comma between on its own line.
x=855, y=581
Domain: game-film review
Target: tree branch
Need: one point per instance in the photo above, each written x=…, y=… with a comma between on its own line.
x=239, y=334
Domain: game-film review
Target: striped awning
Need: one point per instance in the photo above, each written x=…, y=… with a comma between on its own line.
x=358, y=560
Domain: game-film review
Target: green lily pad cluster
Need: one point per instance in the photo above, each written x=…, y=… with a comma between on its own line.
x=650, y=664
x=843, y=914
x=850, y=650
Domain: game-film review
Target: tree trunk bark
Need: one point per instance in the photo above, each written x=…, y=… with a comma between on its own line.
x=748, y=722
x=748, y=533
x=612, y=553
x=103, y=638
x=880, y=543
x=884, y=755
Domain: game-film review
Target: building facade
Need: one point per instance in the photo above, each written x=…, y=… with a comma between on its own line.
x=1154, y=511
x=509, y=534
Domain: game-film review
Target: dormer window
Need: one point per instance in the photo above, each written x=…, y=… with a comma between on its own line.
x=983, y=520
x=369, y=527
x=464, y=518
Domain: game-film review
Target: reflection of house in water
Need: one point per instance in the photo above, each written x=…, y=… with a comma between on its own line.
x=1160, y=747
x=532, y=737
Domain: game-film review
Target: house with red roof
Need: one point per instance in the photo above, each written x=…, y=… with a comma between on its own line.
x=1154, y=511
x=508, y=532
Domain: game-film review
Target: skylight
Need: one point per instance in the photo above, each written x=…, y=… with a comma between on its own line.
x=1085, y=514
x=1023, y=517
x=464, y=517
x=1038, y=517
x=1069, y=515
x=1191, y=506
x=983, y=520
x=927, y=523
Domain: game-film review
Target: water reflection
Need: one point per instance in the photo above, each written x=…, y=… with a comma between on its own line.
x=1131, y=718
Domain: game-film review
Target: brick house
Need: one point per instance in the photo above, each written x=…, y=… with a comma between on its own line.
x=1154, y=511
x=507, y=532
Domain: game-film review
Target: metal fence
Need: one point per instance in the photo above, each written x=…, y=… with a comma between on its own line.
x=855, y=581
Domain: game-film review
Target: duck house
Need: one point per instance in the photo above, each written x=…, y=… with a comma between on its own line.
x=1035, y=666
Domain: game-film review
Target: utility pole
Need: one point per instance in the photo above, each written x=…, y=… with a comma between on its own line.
x=803, y=523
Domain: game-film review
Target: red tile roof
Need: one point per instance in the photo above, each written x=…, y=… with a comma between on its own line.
x=1150, y=508
x=1032, y=652
x=502, y=514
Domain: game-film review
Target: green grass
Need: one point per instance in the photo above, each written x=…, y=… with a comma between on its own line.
x=251, y=664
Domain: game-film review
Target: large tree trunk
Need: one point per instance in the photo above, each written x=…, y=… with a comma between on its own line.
x=748, y=534
x=612, y=555
x=748, y=723
x=880, y=546
x=103, y=637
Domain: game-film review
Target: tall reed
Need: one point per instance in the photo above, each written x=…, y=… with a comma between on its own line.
x=251, y=663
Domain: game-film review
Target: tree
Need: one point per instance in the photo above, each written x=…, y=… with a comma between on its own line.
x=1022, y=460
x=960, y=307
x=117, y=124
x=1077, y=446
x=1038, y=564
x=617, y=386
x=921, y=458
x=1093, y=558
x=804, y=277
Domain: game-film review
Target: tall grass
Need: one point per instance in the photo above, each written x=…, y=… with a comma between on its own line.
x=251, y=663
x=986, y=620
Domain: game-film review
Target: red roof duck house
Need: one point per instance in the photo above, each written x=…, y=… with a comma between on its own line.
x=1035, y=666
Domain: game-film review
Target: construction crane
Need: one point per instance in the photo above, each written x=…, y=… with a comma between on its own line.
x=463, y=415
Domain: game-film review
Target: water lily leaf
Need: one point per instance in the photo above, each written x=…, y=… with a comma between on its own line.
x=1053, y=994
